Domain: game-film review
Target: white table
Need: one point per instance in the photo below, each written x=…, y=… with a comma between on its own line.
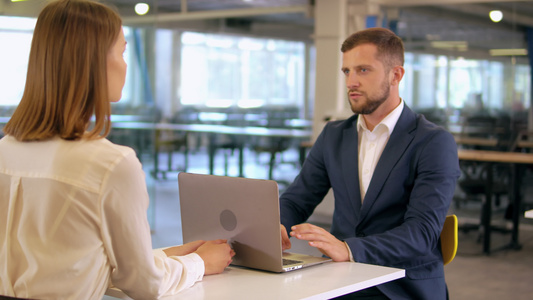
x=323, y=281
x=529, y=214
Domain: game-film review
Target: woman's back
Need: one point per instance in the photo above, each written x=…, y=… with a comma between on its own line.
x=53, y=227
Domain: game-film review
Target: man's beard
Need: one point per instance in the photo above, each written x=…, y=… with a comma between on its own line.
x=372, y=103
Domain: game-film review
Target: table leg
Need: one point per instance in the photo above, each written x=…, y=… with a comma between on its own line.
x=211, y=153
x=271, y=165
x=241, y=159
x=303, y=150
x=156, y=154
x=515, y=181
x=487, y=211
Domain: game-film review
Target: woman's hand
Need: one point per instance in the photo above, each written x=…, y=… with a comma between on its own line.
x=217, y=255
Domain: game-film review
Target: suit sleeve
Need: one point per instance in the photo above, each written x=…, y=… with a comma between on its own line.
x=308, y=189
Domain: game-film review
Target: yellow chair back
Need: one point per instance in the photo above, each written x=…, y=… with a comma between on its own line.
x=448, y=239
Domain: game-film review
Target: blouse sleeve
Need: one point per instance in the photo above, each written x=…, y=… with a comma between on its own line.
x=139, y=271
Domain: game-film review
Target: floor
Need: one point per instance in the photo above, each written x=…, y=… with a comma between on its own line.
x=505, y=274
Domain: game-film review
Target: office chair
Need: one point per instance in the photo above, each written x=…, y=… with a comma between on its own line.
x=277, y=117
x=473, y=181
x=170, y=142
x=229, y=143
x=435, y=115
x=448, y=239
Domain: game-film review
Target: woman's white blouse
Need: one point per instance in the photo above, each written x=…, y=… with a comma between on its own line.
x=73, y=220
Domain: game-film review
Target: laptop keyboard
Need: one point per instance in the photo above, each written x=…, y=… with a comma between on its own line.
x=287, y=261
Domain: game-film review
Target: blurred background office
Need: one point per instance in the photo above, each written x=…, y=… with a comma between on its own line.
x=275, y=64
x=233, y=87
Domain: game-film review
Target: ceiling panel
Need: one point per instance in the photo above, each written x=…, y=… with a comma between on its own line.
x=420, y=22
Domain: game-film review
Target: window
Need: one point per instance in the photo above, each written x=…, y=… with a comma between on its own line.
x=223, y=71
x=15, y=37
x=437, y=81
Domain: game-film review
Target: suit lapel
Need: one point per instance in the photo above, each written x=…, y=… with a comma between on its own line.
x=350, y=165
x=398, y=142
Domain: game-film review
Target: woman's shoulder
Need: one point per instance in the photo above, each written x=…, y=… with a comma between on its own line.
x=99, y=151
x=107, y=145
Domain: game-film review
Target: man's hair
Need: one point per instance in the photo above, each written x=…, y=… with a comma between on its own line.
x=390, y=50
x=67, y=73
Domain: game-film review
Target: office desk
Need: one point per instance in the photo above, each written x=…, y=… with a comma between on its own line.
x=218, y=129
x=524, y=140
x=490, y=157
x=323, y=281
x=525, y=144
x=474, y=141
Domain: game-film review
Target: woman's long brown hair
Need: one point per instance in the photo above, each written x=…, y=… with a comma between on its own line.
x=66, y=82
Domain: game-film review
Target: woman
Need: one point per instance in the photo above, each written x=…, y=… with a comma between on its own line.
x=72, y=204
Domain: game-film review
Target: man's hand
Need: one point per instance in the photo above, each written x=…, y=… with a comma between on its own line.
x=285, y=241
x=183, y=249
x=321, y=239
x=217, y=255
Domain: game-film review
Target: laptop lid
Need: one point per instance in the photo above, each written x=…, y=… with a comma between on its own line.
x=244, y=211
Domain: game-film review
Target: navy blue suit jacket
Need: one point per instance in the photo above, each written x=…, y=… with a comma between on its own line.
x=399, y=222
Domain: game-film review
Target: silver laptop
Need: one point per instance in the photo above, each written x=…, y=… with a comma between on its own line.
x=245, y=212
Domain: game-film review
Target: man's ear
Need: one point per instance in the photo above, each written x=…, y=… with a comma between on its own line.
x=396, y=75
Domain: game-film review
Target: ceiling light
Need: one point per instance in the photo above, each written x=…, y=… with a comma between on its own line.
x=141, y=8
x=450, y=45
x=496, y=16
x=507, y=52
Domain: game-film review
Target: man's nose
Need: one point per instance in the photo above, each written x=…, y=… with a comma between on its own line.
x=352, y=81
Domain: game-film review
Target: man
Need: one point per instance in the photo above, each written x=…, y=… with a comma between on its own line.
x=393, y=174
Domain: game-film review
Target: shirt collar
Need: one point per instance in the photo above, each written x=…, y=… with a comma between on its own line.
x=389, y=121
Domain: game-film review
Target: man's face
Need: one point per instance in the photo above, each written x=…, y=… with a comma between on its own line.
x=367, y=80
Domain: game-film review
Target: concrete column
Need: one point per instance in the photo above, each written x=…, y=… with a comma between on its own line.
x=335, y=20
x=330, y=32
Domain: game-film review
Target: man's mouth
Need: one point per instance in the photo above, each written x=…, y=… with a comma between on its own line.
x=354, y=94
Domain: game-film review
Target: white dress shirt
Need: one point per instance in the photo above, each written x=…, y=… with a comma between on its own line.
x=372, y=143
x=73, y=220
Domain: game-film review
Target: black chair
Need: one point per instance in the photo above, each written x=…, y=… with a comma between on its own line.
x=275, y=146
x=229, y=143
x=169, y=141
x=474, y=179
x=435, y=115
